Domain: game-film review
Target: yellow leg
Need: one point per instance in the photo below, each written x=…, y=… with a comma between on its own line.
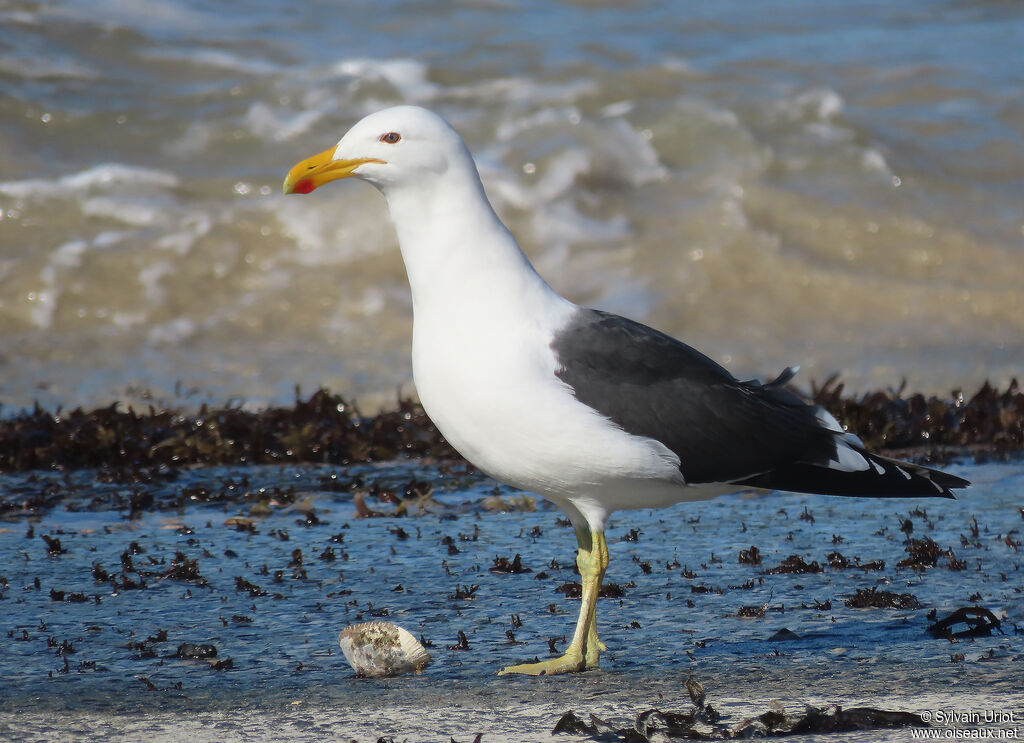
x=585, y=648
x=594, y=646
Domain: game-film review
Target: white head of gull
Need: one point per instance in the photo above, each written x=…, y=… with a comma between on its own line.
x=591, y=410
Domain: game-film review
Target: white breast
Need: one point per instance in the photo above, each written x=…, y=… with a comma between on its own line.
x=490, y=386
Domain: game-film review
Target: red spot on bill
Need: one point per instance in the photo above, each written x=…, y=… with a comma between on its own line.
x=304, y=186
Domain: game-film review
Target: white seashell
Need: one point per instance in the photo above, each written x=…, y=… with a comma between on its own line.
x=379, y=649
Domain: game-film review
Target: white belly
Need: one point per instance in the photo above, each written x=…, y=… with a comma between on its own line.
x=496, y=399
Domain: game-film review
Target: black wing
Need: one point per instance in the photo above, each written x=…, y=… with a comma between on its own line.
x=722, y=429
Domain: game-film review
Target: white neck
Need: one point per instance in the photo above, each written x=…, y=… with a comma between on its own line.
x=459, y=257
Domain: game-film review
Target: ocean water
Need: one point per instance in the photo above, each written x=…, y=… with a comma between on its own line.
x=836, y=185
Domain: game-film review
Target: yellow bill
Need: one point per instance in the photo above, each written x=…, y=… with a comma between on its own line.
x=315, y=171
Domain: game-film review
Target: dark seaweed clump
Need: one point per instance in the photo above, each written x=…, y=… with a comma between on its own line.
x=874, y=599
x=704, y=722
x=989, y=423
x=977, y=621
x=325, y=428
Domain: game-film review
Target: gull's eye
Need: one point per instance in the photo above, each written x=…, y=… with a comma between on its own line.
x=391, y=138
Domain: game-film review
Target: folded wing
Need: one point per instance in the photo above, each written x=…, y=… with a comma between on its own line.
x=724, y=430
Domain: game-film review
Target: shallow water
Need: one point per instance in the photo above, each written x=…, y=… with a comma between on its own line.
x=829, y=184
x=289, y=681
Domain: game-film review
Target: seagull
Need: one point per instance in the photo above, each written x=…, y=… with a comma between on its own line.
x=593, y=411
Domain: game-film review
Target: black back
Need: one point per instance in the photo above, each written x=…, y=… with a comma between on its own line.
x=722, y=430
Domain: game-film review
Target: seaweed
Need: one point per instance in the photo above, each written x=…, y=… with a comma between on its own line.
x=839, y=562
x=925, y=553
x=977, y=621
x=134, y=447
x=751, y=556
x=989, y=422
x=195, y=651
x=874, y=599
x=607, y=590
x=794, y=565
x=505, y=566
x=141, y=447
x=140, y=454
x=703, y=722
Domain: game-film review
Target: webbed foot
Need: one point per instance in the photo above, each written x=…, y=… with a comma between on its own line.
x=571, y=662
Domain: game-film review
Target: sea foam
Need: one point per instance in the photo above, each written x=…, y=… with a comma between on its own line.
x=99, y=177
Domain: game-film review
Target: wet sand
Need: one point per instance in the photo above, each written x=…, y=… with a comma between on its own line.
x=119, y=596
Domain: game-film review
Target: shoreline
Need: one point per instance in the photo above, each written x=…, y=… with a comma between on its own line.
x=326, y=428
x=525, y=712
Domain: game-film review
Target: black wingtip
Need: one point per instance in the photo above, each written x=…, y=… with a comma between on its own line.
x=888, y=478
x=944, y=480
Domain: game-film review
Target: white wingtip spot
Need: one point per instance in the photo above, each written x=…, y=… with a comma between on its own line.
x=827, y=420
x=848, y=460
